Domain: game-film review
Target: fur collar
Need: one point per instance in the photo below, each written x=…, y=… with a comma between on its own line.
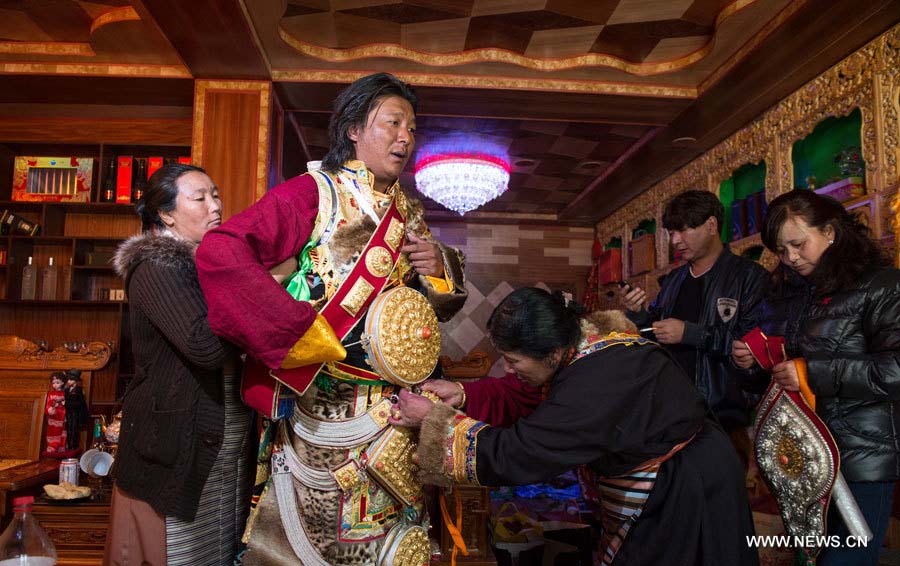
x=601, y=323
x=163, y=250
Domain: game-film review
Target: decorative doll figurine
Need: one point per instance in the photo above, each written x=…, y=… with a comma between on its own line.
x=77, y=415
x=55, y=409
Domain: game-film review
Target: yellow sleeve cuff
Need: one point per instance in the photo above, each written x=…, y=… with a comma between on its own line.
x=318, y=345
x=441, y=284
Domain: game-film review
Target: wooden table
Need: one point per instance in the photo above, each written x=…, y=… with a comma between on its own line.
x=24, y=479
x=78, y=530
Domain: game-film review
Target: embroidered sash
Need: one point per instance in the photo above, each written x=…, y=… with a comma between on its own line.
x=622, y=499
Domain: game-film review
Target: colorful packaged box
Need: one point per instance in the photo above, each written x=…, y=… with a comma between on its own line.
x=756, y=204
x=123, y=179
x=845, y=189
x=52, y=179
x=153, y=164
x=12, y=223
x=738, y=219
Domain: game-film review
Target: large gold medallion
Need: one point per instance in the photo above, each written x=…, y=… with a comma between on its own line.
x=402, y=337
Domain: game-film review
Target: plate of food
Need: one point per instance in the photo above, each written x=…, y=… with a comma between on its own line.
x=66, y=493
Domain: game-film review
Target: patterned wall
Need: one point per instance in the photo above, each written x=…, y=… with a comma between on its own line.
x=501, y=258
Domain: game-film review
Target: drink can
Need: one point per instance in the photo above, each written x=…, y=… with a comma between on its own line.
x=68, y=471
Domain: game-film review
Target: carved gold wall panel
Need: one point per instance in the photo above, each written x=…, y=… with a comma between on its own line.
x=869, y=79
x=888, y=85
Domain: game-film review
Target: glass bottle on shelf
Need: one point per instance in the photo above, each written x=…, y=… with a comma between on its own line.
x=48, y=282
x=108, y=194
x=65, y=275
x=139, y=179
x=97, y=442
x=24, y=542
x=28, y=280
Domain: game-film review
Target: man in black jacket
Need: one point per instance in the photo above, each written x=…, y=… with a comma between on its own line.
x=703, y=306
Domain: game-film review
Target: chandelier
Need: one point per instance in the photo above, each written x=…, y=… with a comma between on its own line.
x=462, y=181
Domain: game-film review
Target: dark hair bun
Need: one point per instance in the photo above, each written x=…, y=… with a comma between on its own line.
x=568, y=302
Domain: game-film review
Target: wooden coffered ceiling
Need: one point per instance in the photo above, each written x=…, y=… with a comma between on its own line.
x=585, y=96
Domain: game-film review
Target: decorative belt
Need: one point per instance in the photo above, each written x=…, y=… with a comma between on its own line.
x=346, y=433
x=623, y=499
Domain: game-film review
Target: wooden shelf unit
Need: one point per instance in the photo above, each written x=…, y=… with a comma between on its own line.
x=70, y=233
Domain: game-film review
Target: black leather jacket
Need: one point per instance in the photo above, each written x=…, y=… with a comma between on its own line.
x=732, y=290
x=851, y=342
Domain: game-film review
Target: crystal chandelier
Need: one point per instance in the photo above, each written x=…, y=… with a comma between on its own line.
x=462, y=181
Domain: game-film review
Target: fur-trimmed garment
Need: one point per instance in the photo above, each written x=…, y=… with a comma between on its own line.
x=319, y=211
x=173, y=415
x=621, y=409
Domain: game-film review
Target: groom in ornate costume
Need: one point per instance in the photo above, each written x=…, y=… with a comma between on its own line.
x=333, y=221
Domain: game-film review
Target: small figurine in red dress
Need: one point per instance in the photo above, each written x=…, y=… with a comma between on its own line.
x=55, y=409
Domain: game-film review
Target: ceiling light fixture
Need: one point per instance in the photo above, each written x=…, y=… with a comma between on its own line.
x=684, y=139
x=462, y=181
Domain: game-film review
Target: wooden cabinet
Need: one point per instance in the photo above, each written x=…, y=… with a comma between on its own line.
x=476, y=507
x=77, y=530
x=21, y=479
x=79, y=316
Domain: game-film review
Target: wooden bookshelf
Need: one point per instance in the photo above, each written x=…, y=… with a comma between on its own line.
x=81, y=238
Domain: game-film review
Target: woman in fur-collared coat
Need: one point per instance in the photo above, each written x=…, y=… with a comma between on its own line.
x=182, y=475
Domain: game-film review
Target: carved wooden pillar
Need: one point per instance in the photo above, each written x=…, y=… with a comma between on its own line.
x=231, y=138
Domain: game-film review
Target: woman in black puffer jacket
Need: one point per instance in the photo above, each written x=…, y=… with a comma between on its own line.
x=836, y=300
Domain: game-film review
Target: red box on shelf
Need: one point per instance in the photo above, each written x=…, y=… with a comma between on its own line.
x=184, y=160
x=123, y=179
x=153, y=164
x=610, y=266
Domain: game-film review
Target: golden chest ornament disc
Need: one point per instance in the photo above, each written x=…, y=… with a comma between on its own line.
x=379, y=262
x=405, y=545
x=402, y=337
